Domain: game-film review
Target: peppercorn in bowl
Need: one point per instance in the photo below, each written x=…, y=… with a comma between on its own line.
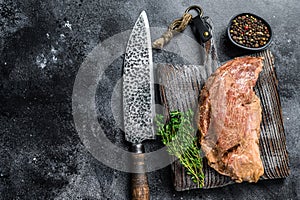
x=249, y=31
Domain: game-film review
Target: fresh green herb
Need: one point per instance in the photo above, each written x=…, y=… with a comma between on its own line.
x=178, y=134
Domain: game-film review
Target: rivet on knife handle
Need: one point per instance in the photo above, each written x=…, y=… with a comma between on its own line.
x=139, y=181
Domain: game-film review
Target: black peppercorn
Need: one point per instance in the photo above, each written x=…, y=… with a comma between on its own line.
x=249, y=31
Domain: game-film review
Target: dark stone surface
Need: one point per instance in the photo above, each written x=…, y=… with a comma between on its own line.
x=42, y=45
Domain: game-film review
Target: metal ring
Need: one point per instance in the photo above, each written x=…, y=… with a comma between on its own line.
x=197, y=8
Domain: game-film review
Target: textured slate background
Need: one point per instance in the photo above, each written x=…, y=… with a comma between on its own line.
x=43, y=44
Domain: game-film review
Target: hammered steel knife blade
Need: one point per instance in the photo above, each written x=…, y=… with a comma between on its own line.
x=138, y=101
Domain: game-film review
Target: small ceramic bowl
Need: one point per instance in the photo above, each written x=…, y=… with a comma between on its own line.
x=240, y=21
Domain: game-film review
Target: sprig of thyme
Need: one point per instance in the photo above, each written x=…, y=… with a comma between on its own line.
x=178, y=135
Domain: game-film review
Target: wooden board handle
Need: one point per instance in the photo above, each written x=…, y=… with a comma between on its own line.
x=139, y=180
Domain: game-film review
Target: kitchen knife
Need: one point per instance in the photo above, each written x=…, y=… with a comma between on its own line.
x=138, y=101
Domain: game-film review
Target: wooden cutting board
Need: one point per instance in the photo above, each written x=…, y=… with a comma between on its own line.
x=179, y=90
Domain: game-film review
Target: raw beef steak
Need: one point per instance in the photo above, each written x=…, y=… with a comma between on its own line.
x=229, y=120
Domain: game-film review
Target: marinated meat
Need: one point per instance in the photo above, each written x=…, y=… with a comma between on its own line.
x=229, y=120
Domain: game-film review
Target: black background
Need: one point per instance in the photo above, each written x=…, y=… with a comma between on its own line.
x=41, y=155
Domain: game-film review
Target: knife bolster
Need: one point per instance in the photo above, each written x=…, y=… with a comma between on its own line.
x=137, y=148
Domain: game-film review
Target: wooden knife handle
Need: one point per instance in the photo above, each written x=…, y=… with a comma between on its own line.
x=139, y=180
